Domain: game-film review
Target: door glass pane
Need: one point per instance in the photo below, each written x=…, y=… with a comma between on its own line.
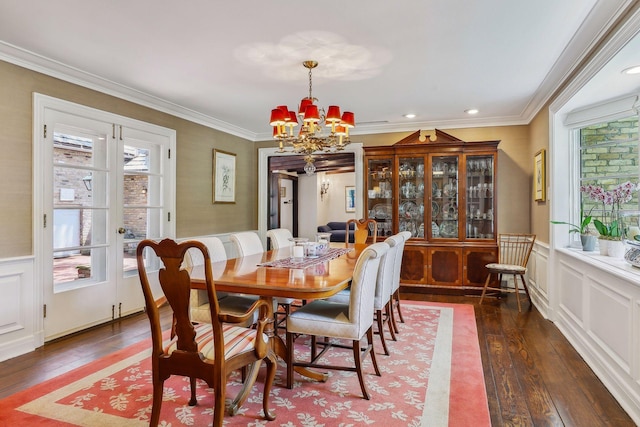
x=480, y=197
x=142, y=199
x=411, y=196
x=444, y=190
x=79, y=208
x=380, y=194
x=79, y=147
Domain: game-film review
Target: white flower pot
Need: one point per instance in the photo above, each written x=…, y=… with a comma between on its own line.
x=603, y=246
x=615, y=248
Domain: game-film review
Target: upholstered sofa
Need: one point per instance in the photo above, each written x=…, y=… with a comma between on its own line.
x=337, y=229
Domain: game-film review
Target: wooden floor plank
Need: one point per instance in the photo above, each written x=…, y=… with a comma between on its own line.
x=533, y=375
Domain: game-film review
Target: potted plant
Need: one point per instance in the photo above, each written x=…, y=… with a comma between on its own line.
x=587, y=238
x=611, y=233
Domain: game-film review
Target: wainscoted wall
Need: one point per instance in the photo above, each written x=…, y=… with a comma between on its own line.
x=537, y=274
x=596, y=305
x=19, y=332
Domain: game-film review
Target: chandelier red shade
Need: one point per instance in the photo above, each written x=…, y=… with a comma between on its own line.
x=310, y=138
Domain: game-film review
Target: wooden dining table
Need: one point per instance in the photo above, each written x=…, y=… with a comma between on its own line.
x=303, y=279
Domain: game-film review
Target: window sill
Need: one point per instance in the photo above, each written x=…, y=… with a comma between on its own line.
x=615, y=266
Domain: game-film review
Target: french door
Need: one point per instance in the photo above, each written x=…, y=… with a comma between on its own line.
x=107, y=184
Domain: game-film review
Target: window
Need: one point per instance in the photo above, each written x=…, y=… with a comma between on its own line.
x=608, y=158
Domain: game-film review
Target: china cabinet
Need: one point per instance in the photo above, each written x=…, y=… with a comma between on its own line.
x=443, y=191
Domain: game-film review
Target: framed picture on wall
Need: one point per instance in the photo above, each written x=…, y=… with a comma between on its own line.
x=224, y=177
x=539, y=172
x=350, y=198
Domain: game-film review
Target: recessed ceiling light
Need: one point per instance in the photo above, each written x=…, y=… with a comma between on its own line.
x=410, y=116
x=632, y=70
x=472, y=111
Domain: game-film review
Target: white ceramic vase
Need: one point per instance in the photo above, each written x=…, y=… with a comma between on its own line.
x=603, y=246
x=615, y=248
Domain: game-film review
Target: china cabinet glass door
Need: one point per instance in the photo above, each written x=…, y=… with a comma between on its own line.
x=411, y=194
x=380, y=194
x=444, y=197
x=480, y=191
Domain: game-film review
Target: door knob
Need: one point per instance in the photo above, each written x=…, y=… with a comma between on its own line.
x=121, y=230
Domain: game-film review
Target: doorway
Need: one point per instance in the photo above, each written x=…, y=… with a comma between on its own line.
x=271, y=163
x=105, y=182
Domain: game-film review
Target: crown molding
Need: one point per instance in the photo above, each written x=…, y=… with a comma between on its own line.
x=41, y=64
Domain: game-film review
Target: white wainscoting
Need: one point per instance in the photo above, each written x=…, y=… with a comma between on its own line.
x=537, y=277
x=596, y=305
x=20, y=324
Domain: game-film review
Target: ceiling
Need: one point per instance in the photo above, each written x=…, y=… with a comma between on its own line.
x=227, y=64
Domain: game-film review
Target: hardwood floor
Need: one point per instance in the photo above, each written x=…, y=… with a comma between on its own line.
x=532, y=374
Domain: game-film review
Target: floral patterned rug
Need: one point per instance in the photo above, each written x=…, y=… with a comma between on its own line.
x=433, y=377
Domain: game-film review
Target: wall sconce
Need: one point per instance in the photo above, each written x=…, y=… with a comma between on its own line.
x=87, y=182
x=324, y=187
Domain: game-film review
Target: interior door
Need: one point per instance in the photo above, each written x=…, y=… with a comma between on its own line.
x=78, y=291
x=286, y=204
x=106, y=187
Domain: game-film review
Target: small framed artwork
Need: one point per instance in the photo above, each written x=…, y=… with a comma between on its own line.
x=539, y=175
x=224, y=177
x=350, y=198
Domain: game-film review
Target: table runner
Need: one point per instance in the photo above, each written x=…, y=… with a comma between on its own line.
x=305, y=262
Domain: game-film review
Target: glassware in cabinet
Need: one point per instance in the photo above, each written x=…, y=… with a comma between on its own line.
x=411, y=195
x=380, y=194
x=444, y=197
x=480, y=197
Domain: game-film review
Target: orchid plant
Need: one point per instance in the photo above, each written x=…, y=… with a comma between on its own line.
x=619, y=195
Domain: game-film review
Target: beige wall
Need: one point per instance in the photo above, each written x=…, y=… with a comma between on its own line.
x=539, y=136
x=195, y=215
x=515, y=168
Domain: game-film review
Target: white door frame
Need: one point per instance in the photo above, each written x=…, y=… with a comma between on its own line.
x=263, y=182
x=40, y=104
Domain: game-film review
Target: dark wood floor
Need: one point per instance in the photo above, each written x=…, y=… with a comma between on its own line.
x=533, y=376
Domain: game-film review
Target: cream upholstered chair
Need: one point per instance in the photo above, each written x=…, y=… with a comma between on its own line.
x=361, y=232
x=229, y=303
x=280, y=238
x=248, y=243
x=209, y=351
x=395, y=289
x=384, y=283
x=513, y=256
x=350, y=321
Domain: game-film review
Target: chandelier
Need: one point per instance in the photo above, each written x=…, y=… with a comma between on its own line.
x=310, y=138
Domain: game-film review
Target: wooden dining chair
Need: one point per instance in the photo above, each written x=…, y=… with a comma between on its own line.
x=361, y=233
x=513, y=255
x=336, y=320
x=280, y=238
x=208, y=351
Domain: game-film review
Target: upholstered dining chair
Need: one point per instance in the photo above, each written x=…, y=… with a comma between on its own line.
x=209, y=351
x=384, y=283
x=280, y=238
x=361, y=232
x=229, y=303
x=394, y=302
x=513, y=255
x=248, y=243
x=336, y=320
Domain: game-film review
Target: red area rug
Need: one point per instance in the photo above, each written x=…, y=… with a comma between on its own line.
x=433, y=377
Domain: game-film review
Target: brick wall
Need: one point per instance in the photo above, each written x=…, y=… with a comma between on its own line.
x=610, y=157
